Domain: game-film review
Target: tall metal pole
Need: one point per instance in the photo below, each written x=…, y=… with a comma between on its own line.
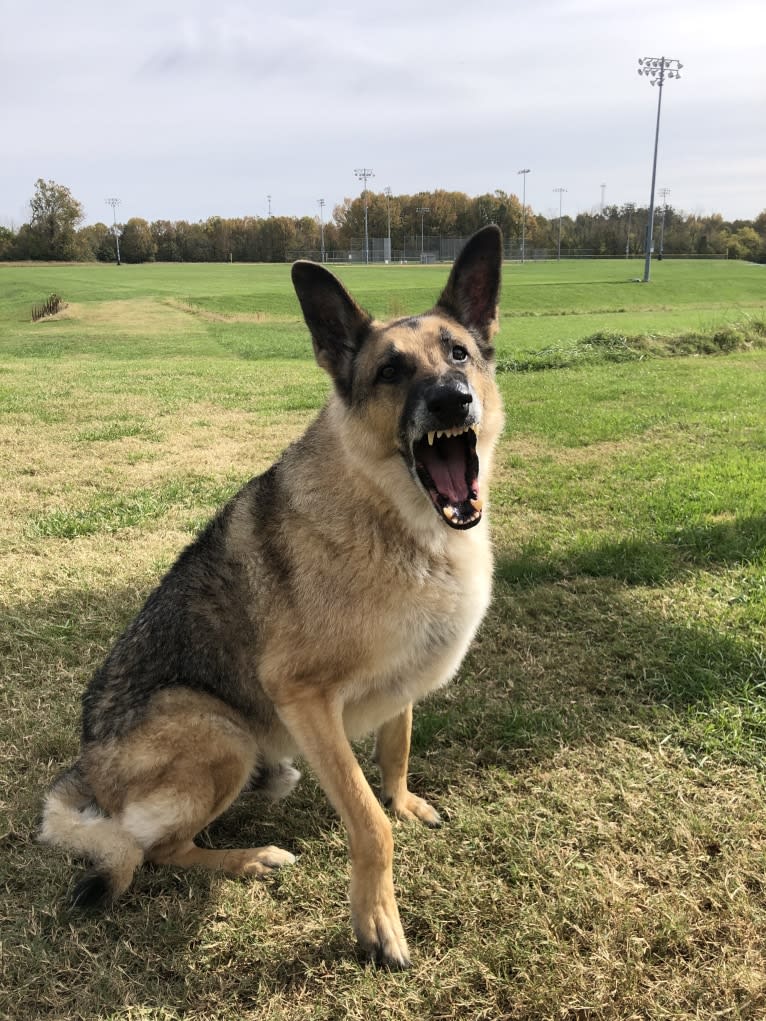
x=664, y=192
x=114, y=203
x=363, y=174
x=523, y=211
x=387, y=192
x=269, y=201
x=321, y=224
x=561, y=193
x=657, y=69
x=603, y=190
x=630, y=207
x=422, y=210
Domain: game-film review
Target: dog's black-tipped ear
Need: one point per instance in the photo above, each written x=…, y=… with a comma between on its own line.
x=338, y=325
x=473, y=289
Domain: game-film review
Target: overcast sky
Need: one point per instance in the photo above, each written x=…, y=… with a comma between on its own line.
x=185, y=109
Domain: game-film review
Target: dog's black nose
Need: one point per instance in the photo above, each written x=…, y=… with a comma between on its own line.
x=449, y=401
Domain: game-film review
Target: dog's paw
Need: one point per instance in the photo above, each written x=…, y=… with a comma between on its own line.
x=257, y=861
x=410, y=807
x=381, y=937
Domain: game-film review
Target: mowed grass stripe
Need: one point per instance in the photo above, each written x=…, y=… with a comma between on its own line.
x=682, y=295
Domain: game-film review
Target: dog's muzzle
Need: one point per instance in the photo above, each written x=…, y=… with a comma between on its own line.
x=444, y=424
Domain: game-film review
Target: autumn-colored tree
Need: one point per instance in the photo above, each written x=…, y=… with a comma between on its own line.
x=451, y=216
x=55, y=216
x=96, y=241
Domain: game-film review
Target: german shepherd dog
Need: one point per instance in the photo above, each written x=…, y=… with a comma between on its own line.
x=330, y=594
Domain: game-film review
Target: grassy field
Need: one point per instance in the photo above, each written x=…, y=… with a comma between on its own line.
x=600, y=758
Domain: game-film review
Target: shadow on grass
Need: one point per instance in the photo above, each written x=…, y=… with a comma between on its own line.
x=645, y=561
x=594, y=645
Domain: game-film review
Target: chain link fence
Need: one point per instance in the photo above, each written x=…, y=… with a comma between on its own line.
x=432, y=249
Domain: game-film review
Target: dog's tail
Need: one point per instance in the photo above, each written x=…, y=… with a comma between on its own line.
x=73, y=820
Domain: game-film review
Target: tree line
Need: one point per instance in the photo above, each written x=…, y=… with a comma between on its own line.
x=416, y=224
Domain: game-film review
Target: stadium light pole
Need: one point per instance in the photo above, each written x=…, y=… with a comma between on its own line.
x=114, y=203
x=657, y=69
x=421, y=211
x=664, y=192
x=321, y=224
x=387, y=193
x=363, y=174
x=523, y=210
x=561, y=193
x=630, y=207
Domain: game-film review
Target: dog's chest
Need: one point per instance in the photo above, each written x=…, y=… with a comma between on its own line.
x=417, y=639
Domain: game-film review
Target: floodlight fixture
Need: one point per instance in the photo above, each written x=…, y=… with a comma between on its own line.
x=657, y=70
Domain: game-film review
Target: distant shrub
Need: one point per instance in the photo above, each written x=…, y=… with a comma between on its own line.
x=50, y=307
x=604, y=347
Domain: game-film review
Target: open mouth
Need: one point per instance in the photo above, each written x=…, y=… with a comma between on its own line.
x=448, y=467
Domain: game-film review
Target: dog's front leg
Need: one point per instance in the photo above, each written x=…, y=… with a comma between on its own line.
x=392, y=753
x=316, y=724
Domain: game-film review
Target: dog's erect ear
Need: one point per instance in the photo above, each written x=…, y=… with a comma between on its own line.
x=338, y=325
x=473, y=288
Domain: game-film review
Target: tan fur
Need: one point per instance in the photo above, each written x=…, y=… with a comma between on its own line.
x=356, y=600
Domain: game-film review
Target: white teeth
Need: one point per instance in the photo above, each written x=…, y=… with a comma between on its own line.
x=449, y=432
x=448, y=513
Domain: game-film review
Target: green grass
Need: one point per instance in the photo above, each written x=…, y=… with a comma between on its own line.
x=542, y=303
x=599, y=760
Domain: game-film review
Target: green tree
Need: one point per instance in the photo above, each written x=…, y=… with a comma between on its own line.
x=136, y=242
x=218, y=232
x=96, y=241
x=166, y=241
x=749, y=243
x=7, y=242
x=56, y=215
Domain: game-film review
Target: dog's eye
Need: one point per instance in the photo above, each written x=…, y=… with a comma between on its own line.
x=459, y=353
x=389, y=373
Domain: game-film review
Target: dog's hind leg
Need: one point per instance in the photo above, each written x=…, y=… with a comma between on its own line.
x=165, y=820
x=252, y=861
x=176, y=773
x=392, y=753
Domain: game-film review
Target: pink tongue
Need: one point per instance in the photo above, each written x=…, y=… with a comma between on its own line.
x=448, y=473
